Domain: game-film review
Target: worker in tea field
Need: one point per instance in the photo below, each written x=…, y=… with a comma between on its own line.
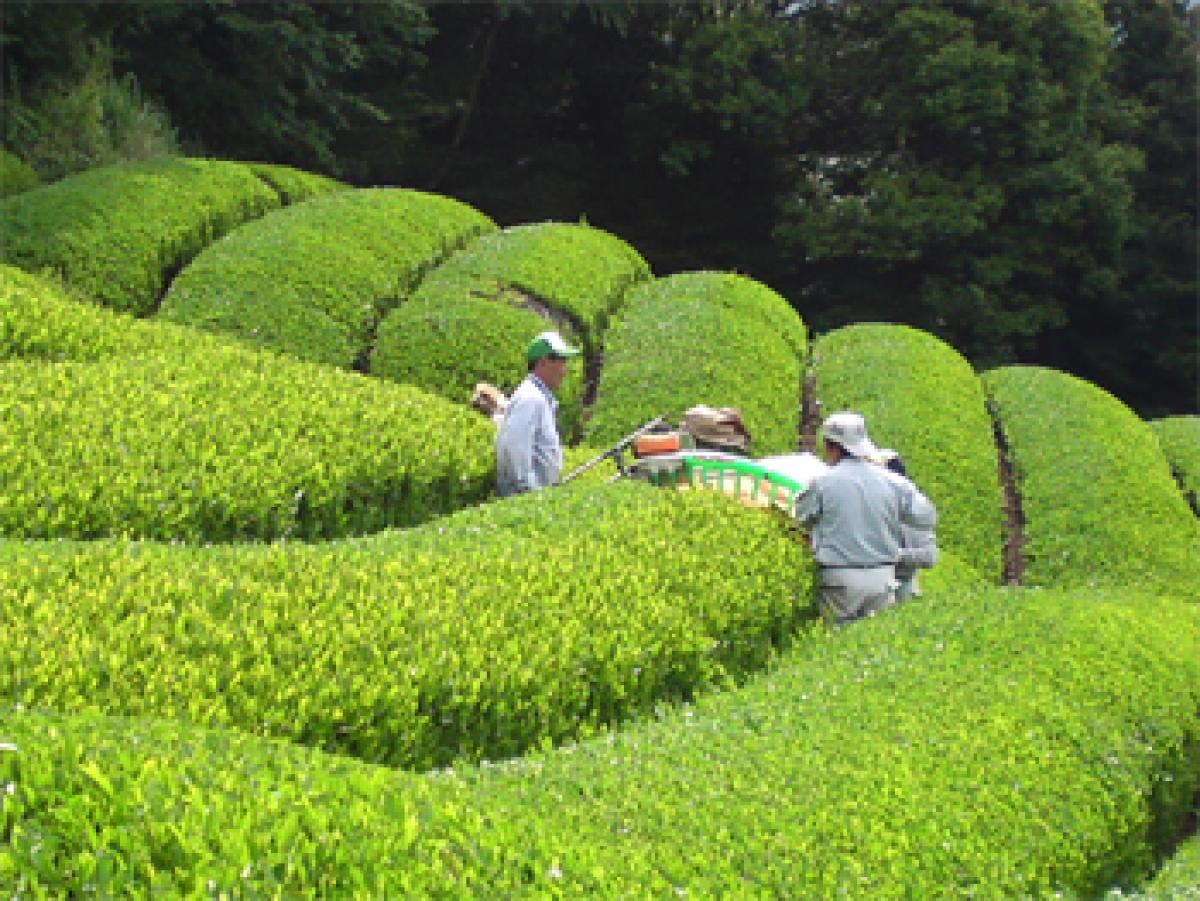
x=918, y=547
x=528, y=447
x=855, y=511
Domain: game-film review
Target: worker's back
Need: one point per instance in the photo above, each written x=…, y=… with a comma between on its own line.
x=857, y=510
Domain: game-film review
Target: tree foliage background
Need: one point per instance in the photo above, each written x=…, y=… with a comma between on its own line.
x=1017, y=177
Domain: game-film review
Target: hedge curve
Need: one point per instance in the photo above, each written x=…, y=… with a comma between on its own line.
x=1100, y=504
x=313, y=279
x=922, y=398
x=702, y=338
x=118, y=234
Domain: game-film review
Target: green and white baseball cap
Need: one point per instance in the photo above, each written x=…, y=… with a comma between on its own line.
x=549, y=344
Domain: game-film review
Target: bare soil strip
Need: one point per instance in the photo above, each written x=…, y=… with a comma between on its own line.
x=1013, y=557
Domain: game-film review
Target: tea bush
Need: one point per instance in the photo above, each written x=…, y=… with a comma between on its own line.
x=294, y=185
x=314, y=278
x=360, y=647
x=574, y=271
x=473, y=316
x=1099, y=501
x=40, y=317
x=1180, y=440
x=892, y=760
x=448, y=345
x=119, y=233
x=1179, y=877
x=125, y=807
x=922, y=398
x=702, y=338
x=226, y=444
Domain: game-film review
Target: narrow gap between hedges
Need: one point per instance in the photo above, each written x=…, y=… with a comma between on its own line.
x=1013, y=555
x=810, y=407
x=1191, y=497
x=168, y=279
x=384, y=305
x=172, y=271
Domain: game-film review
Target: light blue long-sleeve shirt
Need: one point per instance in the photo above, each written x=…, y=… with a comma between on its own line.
x=856, y=511
x=528, y=447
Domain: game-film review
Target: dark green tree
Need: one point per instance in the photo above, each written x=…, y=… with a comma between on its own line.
x=1140, y=339
x=955, y=173
x=325, y=86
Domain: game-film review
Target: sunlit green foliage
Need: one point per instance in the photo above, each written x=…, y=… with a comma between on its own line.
x=295, y=185
x=890, y=760
x=226, y=445
x=314, y=278
x=359, y=647
x=40, y=319
x=922, y=398
x=703, y=338
x=118, y=234
x=113, y=425
x=1099, y=502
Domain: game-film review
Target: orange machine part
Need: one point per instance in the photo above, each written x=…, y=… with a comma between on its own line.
x=663, y=443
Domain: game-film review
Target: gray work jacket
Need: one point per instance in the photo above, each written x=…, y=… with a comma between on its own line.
x=528, y=449
x=855, y=512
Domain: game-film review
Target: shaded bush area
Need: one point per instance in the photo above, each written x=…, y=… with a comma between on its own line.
x=15, y=174
x=314, y=279
x=119, y=234
x=473, y=317
x=1180, y=440
x=295, y=185
x=890, y=761
x=414, y=648
x=703, y=338
x=922, y=398
x=1100, y=504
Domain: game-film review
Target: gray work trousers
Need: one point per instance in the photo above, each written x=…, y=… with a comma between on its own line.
x=846, y=594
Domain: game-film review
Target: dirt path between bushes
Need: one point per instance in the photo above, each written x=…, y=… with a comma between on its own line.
x=1013, y=556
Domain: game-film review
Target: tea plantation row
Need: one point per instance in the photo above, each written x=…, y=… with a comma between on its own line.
x=314, y=279
x=159, y=432
x=946, y=749
x=119, y=234
x=471, y=317
x=890, y=760
x=413, y=648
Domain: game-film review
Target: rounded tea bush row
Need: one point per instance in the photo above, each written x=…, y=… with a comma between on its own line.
x=922, y=398
x=1179, y=437
x=996, y=743
x=313, y=279
x=116, y=426
x=1099, y=500
x=119, y=233
x=413, y=648
x=473, y=316
x=702, y=338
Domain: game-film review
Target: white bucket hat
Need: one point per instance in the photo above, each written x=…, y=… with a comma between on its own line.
x=850, y=431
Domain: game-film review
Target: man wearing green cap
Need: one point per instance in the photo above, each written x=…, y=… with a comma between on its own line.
x=528, y=449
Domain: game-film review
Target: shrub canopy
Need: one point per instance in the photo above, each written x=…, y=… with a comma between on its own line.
x=119, y=233
x=1180, y=440
x=703, y=338
x=1099, y=502
x=313, y=279
x=922, y=398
